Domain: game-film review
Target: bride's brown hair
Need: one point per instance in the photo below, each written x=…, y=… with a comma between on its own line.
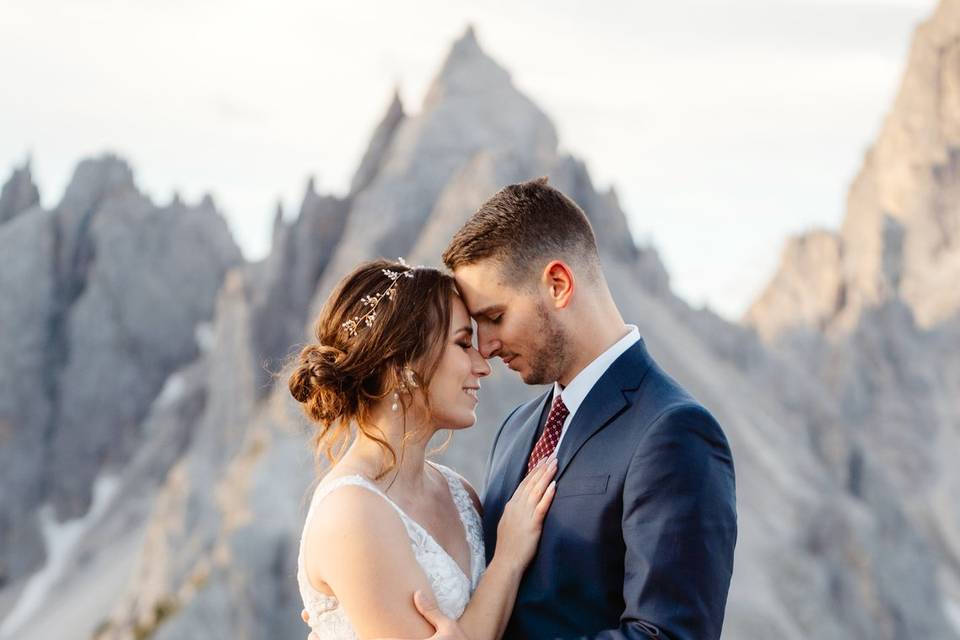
x=339, y=378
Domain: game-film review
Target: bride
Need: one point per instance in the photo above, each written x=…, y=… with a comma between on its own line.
x=394, y=358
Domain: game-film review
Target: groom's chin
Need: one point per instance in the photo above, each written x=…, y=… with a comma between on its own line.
x=532, y=377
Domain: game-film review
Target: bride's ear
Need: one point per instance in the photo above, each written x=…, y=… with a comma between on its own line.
x=560, y=283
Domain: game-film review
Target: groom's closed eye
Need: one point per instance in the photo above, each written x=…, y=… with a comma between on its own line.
x=493, y=313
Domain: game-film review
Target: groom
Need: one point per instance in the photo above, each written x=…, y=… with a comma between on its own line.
x=639, y=540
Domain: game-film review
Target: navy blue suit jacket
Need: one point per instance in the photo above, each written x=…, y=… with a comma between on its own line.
x=639, y=540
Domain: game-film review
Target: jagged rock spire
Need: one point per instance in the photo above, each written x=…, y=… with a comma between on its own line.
x=379, y=142
x=467, y=70
x=19, y=193
x=900, y=238
x=94, y=180
x=471, y=107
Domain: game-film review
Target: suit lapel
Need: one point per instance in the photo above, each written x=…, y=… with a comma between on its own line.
x=518, y=450
x=604, y=402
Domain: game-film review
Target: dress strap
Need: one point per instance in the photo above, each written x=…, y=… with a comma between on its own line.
x=470, y=518
x=459, y=492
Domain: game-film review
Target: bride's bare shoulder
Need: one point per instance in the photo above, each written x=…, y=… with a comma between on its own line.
x=353, y=510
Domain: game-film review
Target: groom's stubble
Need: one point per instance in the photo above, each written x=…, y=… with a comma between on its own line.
x=549, y=357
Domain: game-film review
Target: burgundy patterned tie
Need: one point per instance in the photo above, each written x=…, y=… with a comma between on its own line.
x=551, y=433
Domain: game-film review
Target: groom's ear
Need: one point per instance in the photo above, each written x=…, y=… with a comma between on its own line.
x=559, y=281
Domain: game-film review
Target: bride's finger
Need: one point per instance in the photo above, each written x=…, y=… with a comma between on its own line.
x=530, y=478
x=536, y=491
x=540, y=512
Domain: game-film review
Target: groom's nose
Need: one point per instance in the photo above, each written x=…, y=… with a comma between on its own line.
x=487, y=344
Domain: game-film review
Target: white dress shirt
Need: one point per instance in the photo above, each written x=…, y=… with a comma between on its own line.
x=574, y=393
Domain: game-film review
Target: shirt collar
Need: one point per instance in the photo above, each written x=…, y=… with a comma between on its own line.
x=576, y=392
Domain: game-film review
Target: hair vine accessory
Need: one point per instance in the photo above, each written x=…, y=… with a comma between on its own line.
x=353, y=325
x=410, y=378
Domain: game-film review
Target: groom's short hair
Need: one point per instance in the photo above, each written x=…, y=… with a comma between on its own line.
x=519, y=227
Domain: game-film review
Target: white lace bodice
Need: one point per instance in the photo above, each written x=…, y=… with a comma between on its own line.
x=451, y=586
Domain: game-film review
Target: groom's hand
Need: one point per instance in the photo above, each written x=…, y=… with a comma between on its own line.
x=306, y=618
x=446, y=628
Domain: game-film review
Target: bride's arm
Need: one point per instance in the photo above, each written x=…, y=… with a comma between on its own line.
x=518, y=533
x=364, y=551
x=367, y=560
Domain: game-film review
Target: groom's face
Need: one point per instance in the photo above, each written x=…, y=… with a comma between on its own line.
x=513, y=323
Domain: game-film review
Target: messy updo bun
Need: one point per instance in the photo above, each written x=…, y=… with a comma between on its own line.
x=320, y=383
x=340, y=377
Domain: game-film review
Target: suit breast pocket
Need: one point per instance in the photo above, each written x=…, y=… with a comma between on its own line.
x=582, y=485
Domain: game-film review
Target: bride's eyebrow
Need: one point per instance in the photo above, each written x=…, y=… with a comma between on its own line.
x=468, y=330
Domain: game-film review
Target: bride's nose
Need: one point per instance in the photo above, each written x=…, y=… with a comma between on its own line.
x=480, y=366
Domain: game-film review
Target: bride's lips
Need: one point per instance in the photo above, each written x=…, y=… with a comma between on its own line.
x=473, y=392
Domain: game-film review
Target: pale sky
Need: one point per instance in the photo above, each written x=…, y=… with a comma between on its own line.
x=724, y=126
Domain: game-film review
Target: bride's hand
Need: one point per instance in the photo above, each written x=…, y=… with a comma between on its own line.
x=518, y=532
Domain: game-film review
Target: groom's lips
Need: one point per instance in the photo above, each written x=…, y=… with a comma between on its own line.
x=508, y=360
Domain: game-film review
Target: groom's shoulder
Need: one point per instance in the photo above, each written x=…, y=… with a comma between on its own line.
x=661, y=397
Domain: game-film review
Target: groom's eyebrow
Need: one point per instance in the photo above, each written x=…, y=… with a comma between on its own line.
x=486, y=311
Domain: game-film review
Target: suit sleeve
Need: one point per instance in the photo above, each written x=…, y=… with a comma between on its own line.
x=679, y=529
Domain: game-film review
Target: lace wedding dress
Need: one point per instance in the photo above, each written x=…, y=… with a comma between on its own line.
x=451, y=586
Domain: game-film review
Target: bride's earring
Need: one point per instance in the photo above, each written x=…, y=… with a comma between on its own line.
x=396, y=401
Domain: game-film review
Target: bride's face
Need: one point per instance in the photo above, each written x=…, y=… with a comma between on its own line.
x=455, y=387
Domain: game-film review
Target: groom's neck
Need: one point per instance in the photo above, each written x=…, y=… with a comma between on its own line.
x=595, y=327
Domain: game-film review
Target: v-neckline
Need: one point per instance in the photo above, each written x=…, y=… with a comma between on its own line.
x=426, y=532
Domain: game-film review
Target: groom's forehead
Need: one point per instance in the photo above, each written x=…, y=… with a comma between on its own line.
x=480, y=285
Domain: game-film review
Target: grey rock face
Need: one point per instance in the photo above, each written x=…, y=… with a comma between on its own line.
x=282, y=286
x=807, y=291
x=373, y=158
x=125, y=335
x=26, y=407
x=910, y=179
x=101, y=299
x=18, y=194
x=96, y=575
x=222, y=529
x=872, y=312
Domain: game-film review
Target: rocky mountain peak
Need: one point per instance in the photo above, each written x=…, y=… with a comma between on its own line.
x=96, y=179
x=19, y=193
x=471, y=107
x=900, y=238
x=467, y=70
